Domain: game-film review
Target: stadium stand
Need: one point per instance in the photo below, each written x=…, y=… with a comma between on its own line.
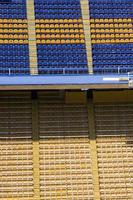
x=113, y=122
x=65, y=163
x=82, y=150
x=66, y=144
x=60, y=42
x=112, y=36
x=14, y=48
x=60, y=37
x=114, y=146
x=16, y=155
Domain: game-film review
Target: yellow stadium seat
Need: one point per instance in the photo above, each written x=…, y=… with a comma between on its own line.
x=57, y=30
x=5, y=25
x=97, y=20
x=79, y=20
x=129, y=20
x=92, y=41
x=46, y=21
x=44, y=25
x=82, y=36
x=76, y=36
x=54, y=26
x=60, y=21
x=81, y=30
x=110, y=20
x=100, y=36
x=65, y=21
x=37, y=25
x=107, y=20
x=93, y=36
x=76, y=30
x=14, y=20
x=120, y=20
x=57, y=36
x=92, y=20
x=24, y=20
x=75, y=21
x=80, y=25
x=62, y=41
x=38, y=41
x=61, y=25
x=67, y=36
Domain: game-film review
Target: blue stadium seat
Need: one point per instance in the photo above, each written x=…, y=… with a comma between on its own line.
x=111, y=9
x=112, y=58
x=15, y=9
x=66, y=57
x=14, y=59
x=57, y=9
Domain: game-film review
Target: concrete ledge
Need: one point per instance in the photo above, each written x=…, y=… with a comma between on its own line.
x=33, y=82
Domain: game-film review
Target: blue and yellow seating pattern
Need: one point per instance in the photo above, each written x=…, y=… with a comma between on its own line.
x=60, y=36
x=112, y=35
x=14, y=49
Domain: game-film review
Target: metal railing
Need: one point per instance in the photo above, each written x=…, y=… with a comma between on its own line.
x=64, y=71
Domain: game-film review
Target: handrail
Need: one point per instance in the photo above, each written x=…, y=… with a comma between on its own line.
x=65, y=71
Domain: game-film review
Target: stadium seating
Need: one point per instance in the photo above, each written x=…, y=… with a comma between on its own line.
x=114, y=148
x=57, y=9
x=15, y=9
x=14, y=50
x=106, y=9
x=111, y=35
x=16, y=168
x=64, y=149
x=14, y=59
x=60, y=37
x=62, y=58
x=112, y=58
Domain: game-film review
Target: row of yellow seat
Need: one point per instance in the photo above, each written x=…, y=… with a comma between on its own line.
x=59, y=25
x=13, y=25
x=58, y=21
x=65, y=36
x=21, y=21
x=13, y=30
x=60, y=41
x=15, y=41
x=121, y=30
x=14, y=36
x=115, y=25
x=119, y=20
x=104, y=41
x=59, y=30
x=112, y=35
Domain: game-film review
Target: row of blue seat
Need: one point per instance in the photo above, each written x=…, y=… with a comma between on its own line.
x=61, y=47
x=112, y=56
x=5, y=2
x=108, y=16
x=111, y=8
x=54, y=2
x=109, y=57
x=113, y=62
x=62, y=56
x=58, y=9
x=111, y=1
x=14, y=55
x=14, y=9
x=63, y=71
x=57, y=16
x=126, y=45
x=112, y=70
